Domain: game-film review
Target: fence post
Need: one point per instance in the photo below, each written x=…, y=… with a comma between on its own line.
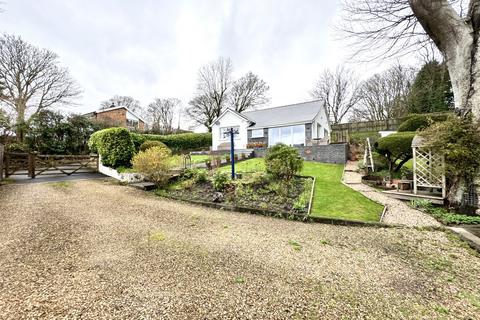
x=31, y=165
x=2, y=150
x=7, y=165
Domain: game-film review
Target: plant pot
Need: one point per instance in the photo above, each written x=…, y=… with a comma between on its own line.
x=209, y=164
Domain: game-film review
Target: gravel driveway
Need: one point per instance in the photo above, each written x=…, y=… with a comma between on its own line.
x=93, y=249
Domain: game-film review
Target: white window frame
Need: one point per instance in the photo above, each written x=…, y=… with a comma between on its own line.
x=235, y=136
x=256, y=135
x=291, y=135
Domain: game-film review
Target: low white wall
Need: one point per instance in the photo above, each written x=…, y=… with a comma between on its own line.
x=124, y=177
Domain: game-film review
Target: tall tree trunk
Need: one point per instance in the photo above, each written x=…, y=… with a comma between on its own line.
x=20, y=121
x=457, y=39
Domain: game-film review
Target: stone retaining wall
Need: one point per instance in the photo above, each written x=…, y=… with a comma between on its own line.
x=331, y=153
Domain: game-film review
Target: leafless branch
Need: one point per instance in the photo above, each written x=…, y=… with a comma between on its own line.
x=248, y=92
x=338, y=90
x=32, y=79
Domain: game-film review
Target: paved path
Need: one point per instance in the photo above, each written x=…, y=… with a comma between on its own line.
x=398, y=212
x=95, y=250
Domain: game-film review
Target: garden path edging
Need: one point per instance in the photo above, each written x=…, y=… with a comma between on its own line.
x=285, y=215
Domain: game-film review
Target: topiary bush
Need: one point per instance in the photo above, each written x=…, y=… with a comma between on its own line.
x=396, y=148
x=114, y=145
x=150, y=143
x=283, y=162
x=155, y=163
x=416, y=122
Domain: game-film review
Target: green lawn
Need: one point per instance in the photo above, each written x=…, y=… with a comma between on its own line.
x=331, y=198
x=200, y=158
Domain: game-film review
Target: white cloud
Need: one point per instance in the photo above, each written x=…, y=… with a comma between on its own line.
x=151, y=48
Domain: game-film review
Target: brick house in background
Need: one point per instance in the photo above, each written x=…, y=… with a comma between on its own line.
x=118, y=117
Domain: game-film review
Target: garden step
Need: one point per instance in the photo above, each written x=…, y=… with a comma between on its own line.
x=144, y=185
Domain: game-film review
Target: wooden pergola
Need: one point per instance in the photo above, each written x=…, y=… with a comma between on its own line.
x=428, y=168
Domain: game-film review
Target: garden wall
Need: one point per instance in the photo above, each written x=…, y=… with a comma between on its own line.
x=331, y=153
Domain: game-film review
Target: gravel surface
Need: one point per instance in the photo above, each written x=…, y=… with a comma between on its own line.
x=96, y=250
x=398, y=212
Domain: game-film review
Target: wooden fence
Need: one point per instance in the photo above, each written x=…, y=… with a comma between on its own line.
x=33, y=164
x=367, y=126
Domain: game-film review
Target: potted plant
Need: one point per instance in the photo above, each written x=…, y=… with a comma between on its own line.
x=208, y=163
x=236, y=157
x=227, y=158
x=243, y=156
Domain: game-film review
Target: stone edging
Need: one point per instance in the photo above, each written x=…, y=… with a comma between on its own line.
x=287, y=215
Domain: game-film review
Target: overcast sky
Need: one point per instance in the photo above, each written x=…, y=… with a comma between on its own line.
x=153, y=48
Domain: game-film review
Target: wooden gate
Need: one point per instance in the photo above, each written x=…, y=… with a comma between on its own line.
x=33, y=164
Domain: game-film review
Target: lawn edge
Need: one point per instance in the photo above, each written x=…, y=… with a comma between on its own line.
x=285, y=215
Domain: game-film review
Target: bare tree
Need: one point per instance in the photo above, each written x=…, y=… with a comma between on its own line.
x=399, y=26
x=384, y=95
x=160, y=113
x=248, y=92
x=203, y=111
x=338, y=90
x=214, y=81
x=121, y=101
x=32, y=80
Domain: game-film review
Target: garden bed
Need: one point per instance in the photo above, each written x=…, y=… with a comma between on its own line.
x=255, y=191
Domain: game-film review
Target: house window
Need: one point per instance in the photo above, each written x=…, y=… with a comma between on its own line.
x=132, y=124
x=257, y=133
x=292, y=135
x=225, y=133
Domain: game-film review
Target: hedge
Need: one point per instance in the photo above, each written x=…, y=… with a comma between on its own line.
x=415, y=122
x=114, y=145
x=176, y=142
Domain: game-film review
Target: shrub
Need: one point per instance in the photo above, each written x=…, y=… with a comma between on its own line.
x=201, y=176
x=459, y=141
x=17, y=147
x=396, y=148
x=150, y=143
x=416, y=122
x=198, y=175
x=258, y=178
x=114, y=145
x=283, y=162
x=220, y=180
x=155, y=163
